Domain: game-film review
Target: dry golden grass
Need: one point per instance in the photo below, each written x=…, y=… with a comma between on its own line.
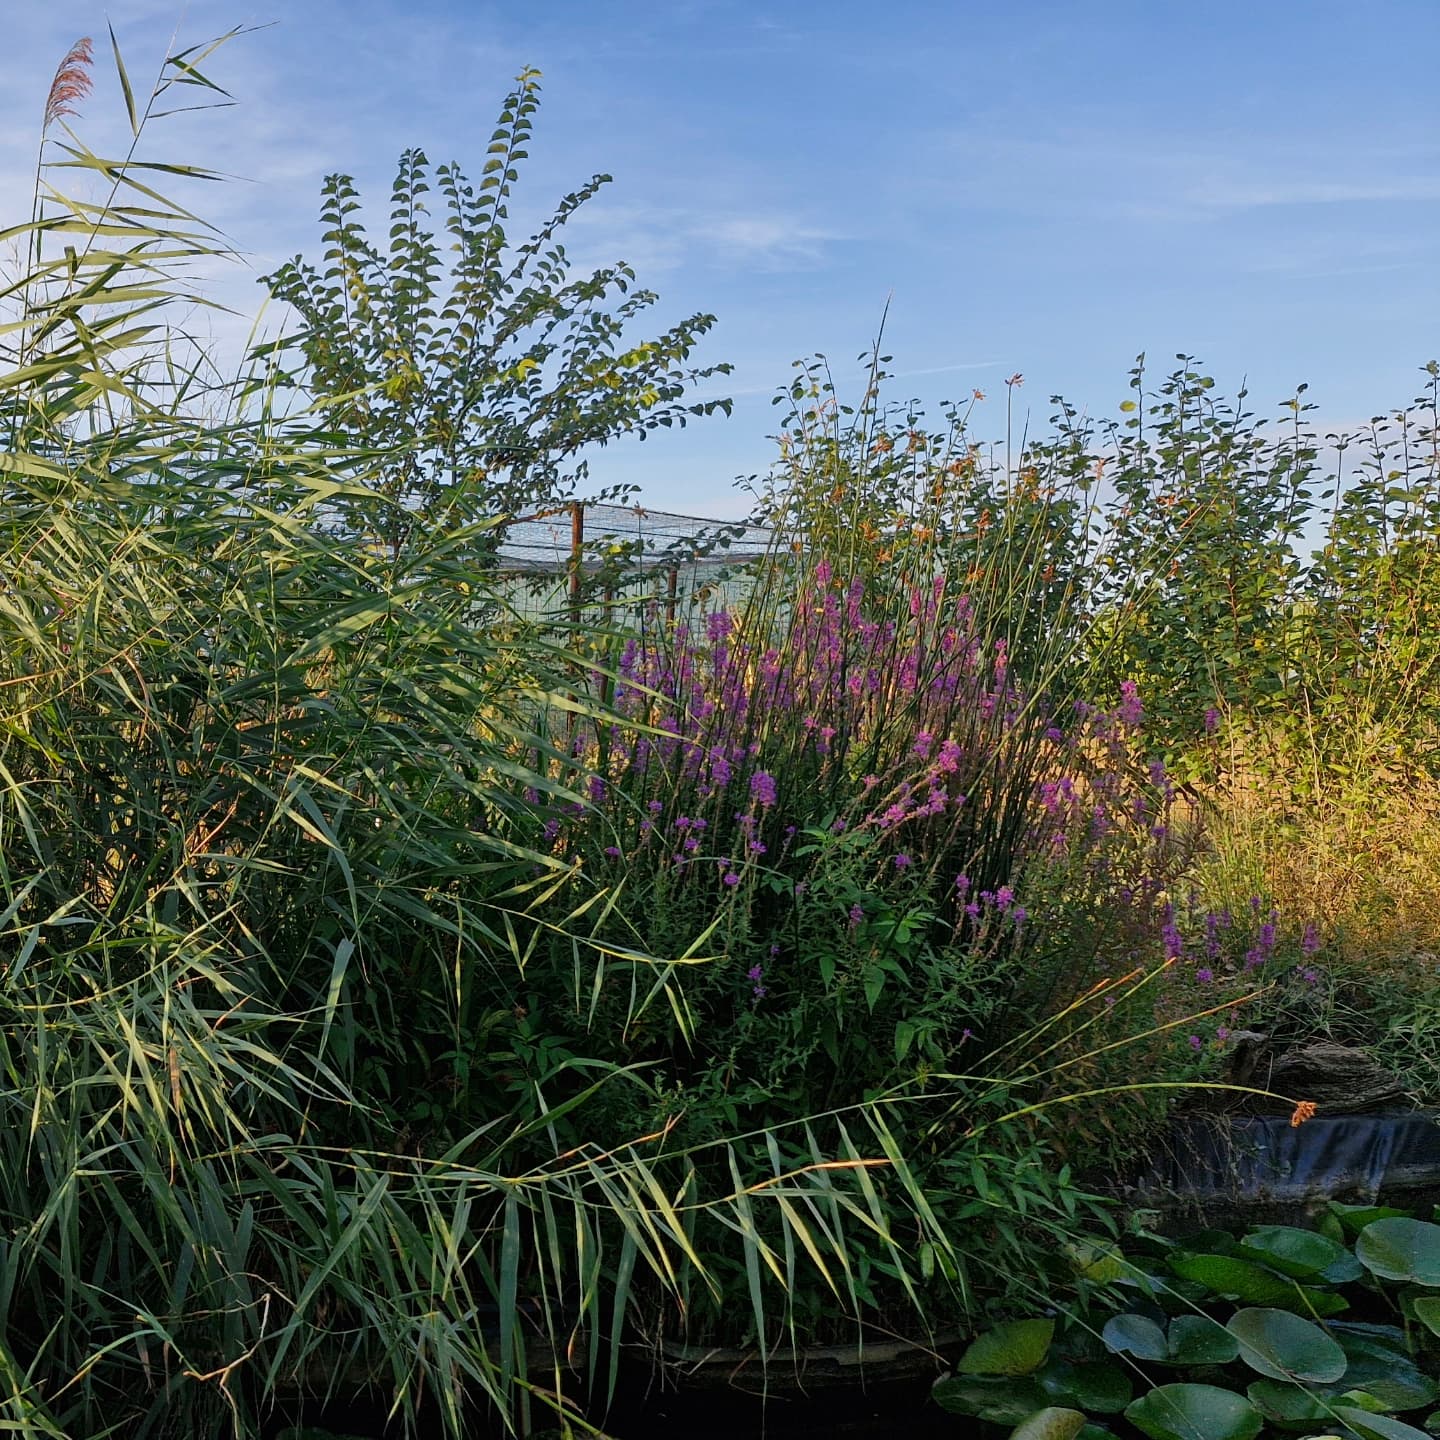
x=1352, y=846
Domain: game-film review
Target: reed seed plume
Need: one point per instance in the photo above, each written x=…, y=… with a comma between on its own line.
x=72, y=82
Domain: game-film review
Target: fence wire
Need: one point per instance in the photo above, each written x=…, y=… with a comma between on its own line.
x=646, y=539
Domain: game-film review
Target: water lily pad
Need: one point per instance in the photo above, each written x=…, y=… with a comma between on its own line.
x=1282, y=1346
x=1254, y=1284
x=1002, y=1400
x=1398, y=1248
x=1054, y=1423
x=1199, y=1340
x=1135, y=1335
x=1354, y=1218
x=1194, y=1412
x=1302, y=1254
x=1380, y=1364
x=1100, y=1387
x=1287, y=1406
x=1378, y=1427
x=1427, y=1312
x=1015, y=1348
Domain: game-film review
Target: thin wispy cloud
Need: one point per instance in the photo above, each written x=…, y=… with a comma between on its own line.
x=1056, y=187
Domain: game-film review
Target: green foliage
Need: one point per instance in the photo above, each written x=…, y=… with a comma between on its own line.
x=1315, y=1372
x=476, y=365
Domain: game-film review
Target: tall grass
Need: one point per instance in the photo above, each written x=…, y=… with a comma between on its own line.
x=272, y=1117
x=280, y=1115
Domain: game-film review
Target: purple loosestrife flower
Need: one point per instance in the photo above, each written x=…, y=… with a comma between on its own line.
x=1019, y=915
x=1222, y=1033
x=1212, y=720
x=1130, y=710
x=762, y=788
x=923, y=741
x=1170, y=936
x=1204, y=975
x=962, y=884
x=532, y=795
x=857, y=916
x=597, y=789
x=731, y=878
x=655, y=807
x=613, y=851
x=1196, y=1043
x=902, y=862
x=1310, y=940
x=1004, y=897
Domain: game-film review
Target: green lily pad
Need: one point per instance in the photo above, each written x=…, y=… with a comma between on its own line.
x=1199, y=1340
x=1253, y=1284
x=1398, y=1248
x=1054, y=1423
x=1354, y=1218
x=1099, y=1387
x=1135, y=1335
x=1194, y=1412
x=1015, y=1348
x=1380, y=1364
x=1003, y=1400
x=1378, y=1427
x=1301, y=1254
x=1287, y=1406
x=1427, y=1312
x=1101, y=1264
x=1282, y=1346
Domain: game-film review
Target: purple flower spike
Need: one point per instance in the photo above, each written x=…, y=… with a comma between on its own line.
x=1130, y=710
x=762, y=787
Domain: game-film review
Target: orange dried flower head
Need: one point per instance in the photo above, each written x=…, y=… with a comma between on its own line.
x=72, y=82
x=1304, y=1111
x=977, y=394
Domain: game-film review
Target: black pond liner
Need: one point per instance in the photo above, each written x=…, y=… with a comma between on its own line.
x=1216, y=1164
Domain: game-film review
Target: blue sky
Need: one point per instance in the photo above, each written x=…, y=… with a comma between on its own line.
x=1034, y=186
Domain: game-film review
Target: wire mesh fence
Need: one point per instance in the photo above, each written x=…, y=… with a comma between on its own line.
x=586, y=553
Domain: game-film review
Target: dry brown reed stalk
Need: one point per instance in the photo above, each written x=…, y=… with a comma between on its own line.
x=72, y=82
